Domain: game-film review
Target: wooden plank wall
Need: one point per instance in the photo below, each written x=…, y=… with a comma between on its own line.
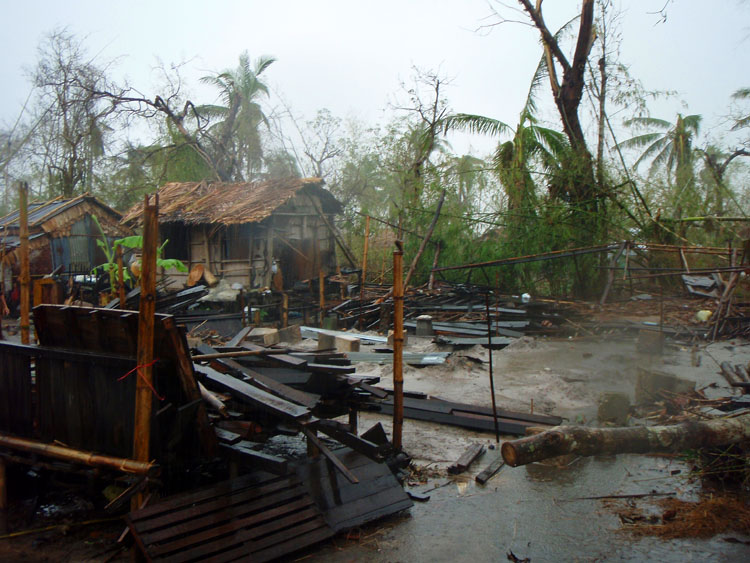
x=16, y=416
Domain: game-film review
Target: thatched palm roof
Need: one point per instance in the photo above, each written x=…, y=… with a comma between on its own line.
x=224, y=203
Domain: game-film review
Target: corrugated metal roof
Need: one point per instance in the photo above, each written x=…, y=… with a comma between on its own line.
x=226, y=203
x=40, y=212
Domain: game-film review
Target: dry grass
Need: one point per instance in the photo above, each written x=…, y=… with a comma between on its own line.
x=680, y=519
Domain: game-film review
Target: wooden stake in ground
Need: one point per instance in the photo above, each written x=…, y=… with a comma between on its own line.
x=582, y=441
x=363, y=274
x=492, y=376
x=322, y=295
x=398, y=344
x=144, y=384
x=25, y=279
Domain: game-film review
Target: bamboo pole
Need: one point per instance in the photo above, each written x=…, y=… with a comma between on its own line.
x=120, y=278
x=583, y=441
x=284, y=310
x=77, y=456
x=144, y=381
x=23, y=220
x=398, y=344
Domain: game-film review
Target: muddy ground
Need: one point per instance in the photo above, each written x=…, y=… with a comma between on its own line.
x=531, y=511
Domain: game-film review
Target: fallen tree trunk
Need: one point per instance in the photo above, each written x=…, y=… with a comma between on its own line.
x=578, y=440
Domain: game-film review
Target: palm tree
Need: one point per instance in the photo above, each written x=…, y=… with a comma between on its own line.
x=236, y=137
x=671, y=148
x=529, y=142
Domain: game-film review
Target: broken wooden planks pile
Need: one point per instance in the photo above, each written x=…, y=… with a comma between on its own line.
x=459, y=311
x=261, y=517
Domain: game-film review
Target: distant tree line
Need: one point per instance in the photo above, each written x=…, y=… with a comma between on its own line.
x=558, y=178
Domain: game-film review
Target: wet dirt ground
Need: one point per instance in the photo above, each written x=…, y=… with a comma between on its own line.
x=536, y=511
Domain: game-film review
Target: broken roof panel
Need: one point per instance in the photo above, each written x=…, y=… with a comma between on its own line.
x=227, y=203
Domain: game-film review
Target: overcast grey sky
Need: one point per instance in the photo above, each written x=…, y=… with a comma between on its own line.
x=349, y=56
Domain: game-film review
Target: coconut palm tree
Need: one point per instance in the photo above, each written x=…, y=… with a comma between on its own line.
x=235, y=138
x=670, y=148
x=530, y=143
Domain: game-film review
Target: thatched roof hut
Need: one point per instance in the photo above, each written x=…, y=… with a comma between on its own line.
x=245, y=232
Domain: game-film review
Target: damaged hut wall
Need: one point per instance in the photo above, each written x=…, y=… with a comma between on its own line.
x=291, y=245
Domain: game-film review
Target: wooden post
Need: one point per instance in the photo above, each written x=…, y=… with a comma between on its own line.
x=492, y=376
x=3, y=498
x=431, y=283
x=144, y=381
x=120, y=278
x=322, y=295
x=398, y=344
x=23, y=220
x=284, y=310
x=363, y=274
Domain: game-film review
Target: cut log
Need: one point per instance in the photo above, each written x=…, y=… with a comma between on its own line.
x=582, y=441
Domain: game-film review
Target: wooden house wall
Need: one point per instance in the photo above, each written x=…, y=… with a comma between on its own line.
x=300, y=242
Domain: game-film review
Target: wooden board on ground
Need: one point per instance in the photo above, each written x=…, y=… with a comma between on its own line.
x=257, y=517
x=346, y=505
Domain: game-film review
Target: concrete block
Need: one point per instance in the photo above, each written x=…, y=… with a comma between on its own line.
x=265, y=336
x=614, y=407
x=347, y=343
x=290, y=334
x=424, y=326
x=650, y=382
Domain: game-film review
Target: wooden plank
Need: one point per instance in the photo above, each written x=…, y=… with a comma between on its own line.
x=467, y=458
x=259, y=460
x=225, y=509
x=253, y=396
x=337, y=463
x=202, y=495
x=328, y=368
x=178, y=349
x=183, y=518
x=259, y=380
x=365, y=447
x=301, y=509
x=283, y=359
x=491, y=470
x=246, y=537
x=240, y=336
x=16, y=416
